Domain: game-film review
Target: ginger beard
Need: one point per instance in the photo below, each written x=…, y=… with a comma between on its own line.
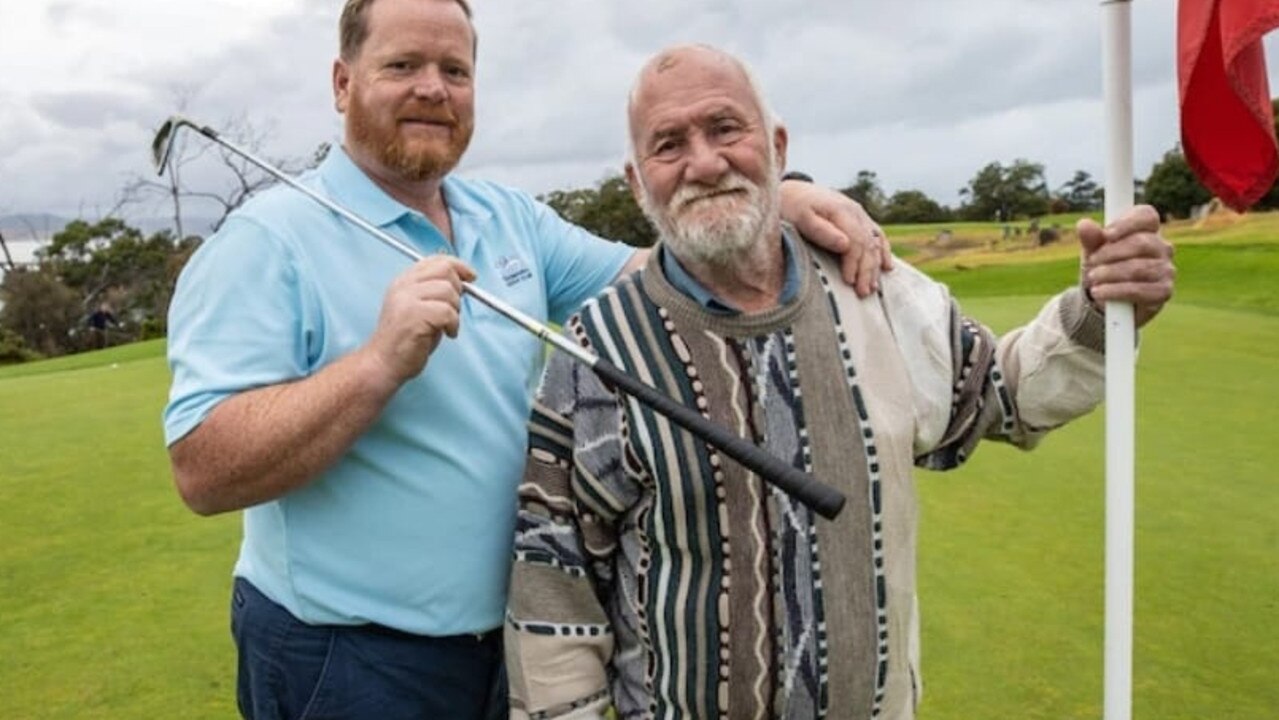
x=412, y=156
x=713, y=224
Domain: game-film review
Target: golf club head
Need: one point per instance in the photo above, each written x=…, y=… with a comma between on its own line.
x=162, y=145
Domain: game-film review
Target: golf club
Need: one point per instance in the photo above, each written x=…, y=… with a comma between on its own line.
x=823, y=499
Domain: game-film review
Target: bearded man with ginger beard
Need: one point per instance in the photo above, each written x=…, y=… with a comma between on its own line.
x=369, y=423
x=655, y=576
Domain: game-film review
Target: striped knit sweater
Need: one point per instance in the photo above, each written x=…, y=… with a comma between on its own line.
x=653, y=574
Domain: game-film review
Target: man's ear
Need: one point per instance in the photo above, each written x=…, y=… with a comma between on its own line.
x=636, y=185
x=780, y=138
x=341, y=85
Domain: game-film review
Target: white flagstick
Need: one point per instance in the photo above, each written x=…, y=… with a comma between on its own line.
x=1116, y=17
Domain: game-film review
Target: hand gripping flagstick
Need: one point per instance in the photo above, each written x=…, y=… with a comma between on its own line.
x=823, y=499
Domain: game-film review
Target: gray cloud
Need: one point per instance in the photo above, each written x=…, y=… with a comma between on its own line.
x=92, y=109
x=924, y=92
x=66, y=13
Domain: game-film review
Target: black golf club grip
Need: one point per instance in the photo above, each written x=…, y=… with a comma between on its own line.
x=823, y=499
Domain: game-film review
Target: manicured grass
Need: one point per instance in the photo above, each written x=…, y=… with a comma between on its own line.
x=121, y=354
x=1011, y=546
x=114, y=596
x=114, y=601
x=1062, y=221
x=1240, y=272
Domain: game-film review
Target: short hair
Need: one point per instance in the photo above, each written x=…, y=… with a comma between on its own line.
x=353, y=27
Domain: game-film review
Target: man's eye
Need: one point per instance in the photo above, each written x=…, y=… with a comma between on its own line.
x=665, y=148
x=725, y=128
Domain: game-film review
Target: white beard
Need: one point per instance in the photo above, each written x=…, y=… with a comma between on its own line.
x=716, y=230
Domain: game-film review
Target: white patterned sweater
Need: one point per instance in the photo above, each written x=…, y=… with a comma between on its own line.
x=655, y=575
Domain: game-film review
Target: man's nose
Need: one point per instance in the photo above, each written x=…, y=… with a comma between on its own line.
x=706, y=164
x=429, y=85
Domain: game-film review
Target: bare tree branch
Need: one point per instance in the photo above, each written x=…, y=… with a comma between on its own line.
x=246, y=179
x=8, y=259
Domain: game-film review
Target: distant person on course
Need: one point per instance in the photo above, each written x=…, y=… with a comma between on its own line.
x=100, y=321
x=653, y=574
x=370, y=424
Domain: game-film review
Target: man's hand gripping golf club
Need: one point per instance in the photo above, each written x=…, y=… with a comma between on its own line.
x=824, y=500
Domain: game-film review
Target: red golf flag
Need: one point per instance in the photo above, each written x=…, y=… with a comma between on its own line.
x=1227, y=127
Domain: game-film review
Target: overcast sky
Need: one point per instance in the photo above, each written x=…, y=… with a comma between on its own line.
x=923, y=92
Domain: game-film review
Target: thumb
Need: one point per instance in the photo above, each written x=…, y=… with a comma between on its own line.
x=464, y=272
x=1091, y=236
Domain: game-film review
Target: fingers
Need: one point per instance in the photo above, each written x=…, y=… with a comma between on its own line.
x=834, y=222
x=1147, y=298
x=875, y=259
x=868, y=253
x=1132, y=280
x=867, y=257
x=441, y=266
x=436, y=284
x=1141, y=245
x=421, y=306
x=855, y=258
x=1090, y=234
x=886, y=254
x=1141, y=218
x=821, y=232
x=1128, y=261
x=858, y=259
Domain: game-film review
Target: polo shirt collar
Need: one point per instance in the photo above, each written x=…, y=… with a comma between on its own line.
x=355, y=190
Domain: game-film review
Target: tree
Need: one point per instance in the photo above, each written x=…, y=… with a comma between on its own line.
x=1173, y=188
x=608, y=210
x=1270, y=201
x=1006, y=193
x=1080, y=193
x=13, y=349
x=867, y=192
x=86, y=265
x=913, y=206
x=40, y=310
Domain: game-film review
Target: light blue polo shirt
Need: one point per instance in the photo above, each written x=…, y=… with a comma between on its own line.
x=412, y=528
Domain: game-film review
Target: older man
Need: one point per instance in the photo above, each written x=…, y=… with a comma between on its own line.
x=375, y=459
x=657, y=576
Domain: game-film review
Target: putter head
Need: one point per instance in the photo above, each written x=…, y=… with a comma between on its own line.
x=162, y=145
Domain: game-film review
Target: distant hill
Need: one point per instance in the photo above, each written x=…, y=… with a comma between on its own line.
x=22, y=226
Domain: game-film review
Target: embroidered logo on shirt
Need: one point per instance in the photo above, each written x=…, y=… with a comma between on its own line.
x=512, y=269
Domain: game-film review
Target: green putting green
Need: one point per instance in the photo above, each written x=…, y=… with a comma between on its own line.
x=114, y=596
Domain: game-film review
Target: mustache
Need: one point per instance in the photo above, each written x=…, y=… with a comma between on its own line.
x=441, y=116
x=690, y=193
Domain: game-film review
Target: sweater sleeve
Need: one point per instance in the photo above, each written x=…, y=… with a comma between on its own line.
x=558, y=638
x=1013, y=388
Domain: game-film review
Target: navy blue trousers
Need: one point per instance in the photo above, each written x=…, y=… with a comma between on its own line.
x=289, y=670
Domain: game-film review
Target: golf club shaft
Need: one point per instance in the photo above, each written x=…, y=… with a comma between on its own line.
x=823, y=499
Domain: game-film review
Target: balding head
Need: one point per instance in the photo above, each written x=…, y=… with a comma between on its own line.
x=681, y=58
